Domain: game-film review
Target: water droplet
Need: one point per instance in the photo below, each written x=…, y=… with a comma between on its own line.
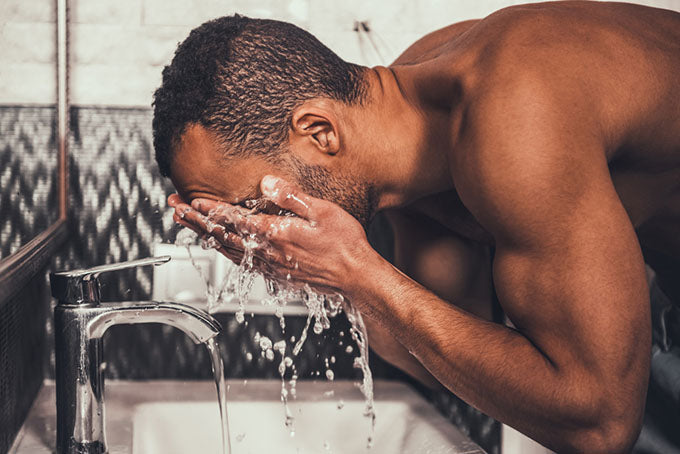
x=280, y=347
x=265, y=343
x=318, y=328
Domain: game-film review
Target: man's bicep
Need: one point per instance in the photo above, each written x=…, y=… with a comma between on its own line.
x=568, y=268
x=585, y=304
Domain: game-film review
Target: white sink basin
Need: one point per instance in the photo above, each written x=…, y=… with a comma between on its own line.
x=406, y=425
x=171, y=417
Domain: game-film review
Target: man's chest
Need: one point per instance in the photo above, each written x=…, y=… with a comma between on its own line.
x=448, y=211
x=446, y=251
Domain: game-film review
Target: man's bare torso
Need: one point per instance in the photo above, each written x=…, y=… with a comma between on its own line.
x=624, y=59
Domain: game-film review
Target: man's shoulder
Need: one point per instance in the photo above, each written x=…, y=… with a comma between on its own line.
x=424, y=47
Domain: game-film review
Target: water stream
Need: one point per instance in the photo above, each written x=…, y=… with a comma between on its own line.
x=220, y=385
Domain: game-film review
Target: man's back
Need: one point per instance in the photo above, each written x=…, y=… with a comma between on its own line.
x=611, y=70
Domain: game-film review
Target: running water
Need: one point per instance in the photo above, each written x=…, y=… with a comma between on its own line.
x=218, y=372
x=358, y=332
x=321, y=307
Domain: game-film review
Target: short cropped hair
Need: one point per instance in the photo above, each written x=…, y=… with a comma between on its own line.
x=241, y=78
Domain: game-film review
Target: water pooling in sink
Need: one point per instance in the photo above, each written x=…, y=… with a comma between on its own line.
x=320, y=306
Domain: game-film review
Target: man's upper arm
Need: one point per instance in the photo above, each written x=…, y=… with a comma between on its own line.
x=568, y=268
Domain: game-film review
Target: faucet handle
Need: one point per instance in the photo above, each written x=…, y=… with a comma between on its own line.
x=81, y=287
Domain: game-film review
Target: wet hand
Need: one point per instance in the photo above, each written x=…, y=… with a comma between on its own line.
x=230, y=244
x=322, y=244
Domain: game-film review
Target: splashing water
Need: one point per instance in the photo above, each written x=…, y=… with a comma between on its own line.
x=321, y=308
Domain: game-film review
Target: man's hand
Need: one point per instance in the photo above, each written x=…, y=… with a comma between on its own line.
x=231, y=245
x=321, y=245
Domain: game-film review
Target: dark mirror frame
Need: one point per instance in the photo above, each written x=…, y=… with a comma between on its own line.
x=20, y=267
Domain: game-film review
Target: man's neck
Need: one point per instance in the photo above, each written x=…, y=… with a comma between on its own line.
x=406, y=140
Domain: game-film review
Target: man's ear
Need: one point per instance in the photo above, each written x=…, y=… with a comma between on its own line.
x=319, y=126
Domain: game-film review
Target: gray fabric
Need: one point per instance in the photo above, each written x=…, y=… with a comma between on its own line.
x=661, y=429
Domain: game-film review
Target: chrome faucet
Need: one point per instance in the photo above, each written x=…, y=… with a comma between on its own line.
x=80, y=321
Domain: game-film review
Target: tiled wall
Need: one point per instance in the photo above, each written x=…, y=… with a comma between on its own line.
x=23, y=345
x=118, y=47
x=28, y=163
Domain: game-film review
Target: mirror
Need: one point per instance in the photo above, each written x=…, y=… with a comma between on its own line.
x=33, y=113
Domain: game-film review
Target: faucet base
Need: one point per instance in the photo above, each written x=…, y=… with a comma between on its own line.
x=93, y=447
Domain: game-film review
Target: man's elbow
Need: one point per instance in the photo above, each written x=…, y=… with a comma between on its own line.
x=605, y=412
x=614, y=427
x=615, y=437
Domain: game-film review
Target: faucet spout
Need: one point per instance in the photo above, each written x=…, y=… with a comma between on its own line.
x=196, y=324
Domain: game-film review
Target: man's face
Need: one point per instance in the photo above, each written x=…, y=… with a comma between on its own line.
x=199, y=170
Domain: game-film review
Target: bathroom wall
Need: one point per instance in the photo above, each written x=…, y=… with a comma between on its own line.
x=119, y=47
x=23, y=345
x=28, y=169
x=28, y=205
x=28, y=197
x=117, y=198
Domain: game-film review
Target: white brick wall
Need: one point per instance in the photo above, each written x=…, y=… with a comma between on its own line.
x=27, y=51
x=119, y=47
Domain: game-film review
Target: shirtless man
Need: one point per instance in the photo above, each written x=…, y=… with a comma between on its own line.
x=535, y=152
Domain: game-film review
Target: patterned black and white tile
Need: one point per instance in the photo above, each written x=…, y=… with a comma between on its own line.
x=28, y=163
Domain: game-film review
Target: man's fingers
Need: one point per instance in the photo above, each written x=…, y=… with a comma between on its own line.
x=186, y=224
x=174, y=200
x=205, y=206
x=231, y=227
x=288, y=196
x=198, y=219
x=276, y=229
x=221, y=213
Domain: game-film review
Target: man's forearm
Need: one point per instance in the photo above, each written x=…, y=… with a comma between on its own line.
x=494, y=368
x=388, y=348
